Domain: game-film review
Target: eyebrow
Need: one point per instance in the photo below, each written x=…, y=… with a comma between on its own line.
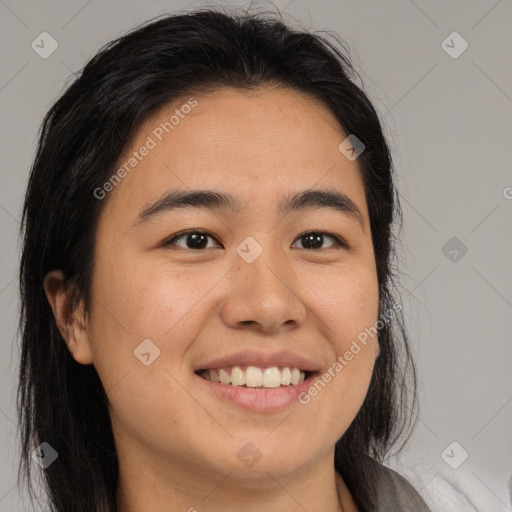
x=305, y=199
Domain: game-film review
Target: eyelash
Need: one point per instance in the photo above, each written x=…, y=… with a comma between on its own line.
x=337, y=240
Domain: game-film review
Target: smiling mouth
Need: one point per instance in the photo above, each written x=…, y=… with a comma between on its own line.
x=256, y=377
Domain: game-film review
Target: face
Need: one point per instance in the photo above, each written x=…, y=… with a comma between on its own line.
x=259, y=285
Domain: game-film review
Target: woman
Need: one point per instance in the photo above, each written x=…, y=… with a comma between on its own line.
x=207, y=312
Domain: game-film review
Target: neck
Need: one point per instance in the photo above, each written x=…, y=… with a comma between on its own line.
x=179, y=486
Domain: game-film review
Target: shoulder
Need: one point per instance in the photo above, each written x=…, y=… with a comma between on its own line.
x=385, y=490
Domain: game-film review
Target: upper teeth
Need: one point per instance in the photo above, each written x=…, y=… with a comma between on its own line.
x=254, y=377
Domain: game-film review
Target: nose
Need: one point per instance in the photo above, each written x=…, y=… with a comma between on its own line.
x=263, y=295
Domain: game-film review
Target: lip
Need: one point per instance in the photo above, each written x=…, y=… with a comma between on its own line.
x=257, y=400
x=262, y=360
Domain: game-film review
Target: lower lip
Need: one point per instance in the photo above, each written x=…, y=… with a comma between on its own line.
x=259, y=400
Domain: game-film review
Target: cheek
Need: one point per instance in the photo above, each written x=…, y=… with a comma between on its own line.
x=347, y=307
x=135, y=301
x=347, y=303
x=148, y=299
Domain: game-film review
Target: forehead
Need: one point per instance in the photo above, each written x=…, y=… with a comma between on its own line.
x=256, y=145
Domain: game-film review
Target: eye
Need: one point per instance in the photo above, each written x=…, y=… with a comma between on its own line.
x=198, y=240
x=194, y=240
x=313, y=239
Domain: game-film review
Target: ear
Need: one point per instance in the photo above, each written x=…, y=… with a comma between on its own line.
x=71, y=323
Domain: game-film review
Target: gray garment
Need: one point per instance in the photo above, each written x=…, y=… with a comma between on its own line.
x=384, y=490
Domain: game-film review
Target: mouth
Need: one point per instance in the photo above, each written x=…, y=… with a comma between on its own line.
x=255, y=377
x=258, y=389
x=257, y=380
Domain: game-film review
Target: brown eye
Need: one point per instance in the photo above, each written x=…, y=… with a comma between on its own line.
x=314, y=240
x=194, y=240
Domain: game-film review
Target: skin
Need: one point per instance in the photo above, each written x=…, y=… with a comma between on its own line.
x=177, y=444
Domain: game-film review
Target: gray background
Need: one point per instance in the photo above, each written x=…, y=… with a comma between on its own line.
x=448, y=121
